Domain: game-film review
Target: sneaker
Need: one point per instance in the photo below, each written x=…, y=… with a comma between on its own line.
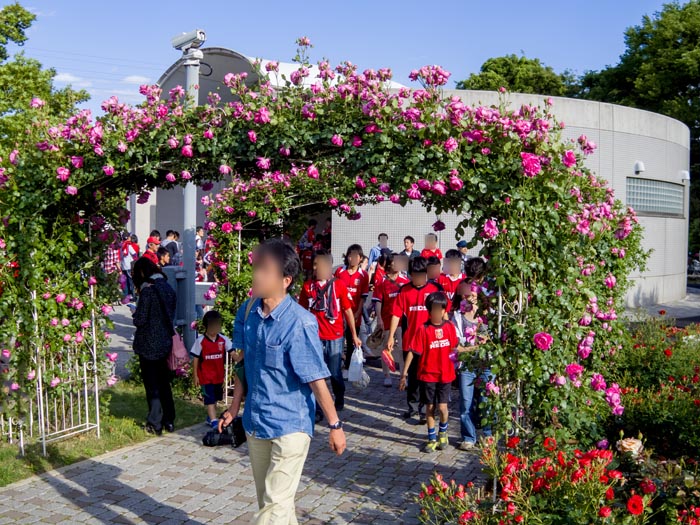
x=443, y=441
x=408, y=414
x=345, y=374
x=207, y=421
x=214, y=423
x=466, y=445
x=422, y=420
x=431, y=446
x=387, y=382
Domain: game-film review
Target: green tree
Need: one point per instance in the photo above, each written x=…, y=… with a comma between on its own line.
x=660, y=71
x=520, y=75
x=23, y=78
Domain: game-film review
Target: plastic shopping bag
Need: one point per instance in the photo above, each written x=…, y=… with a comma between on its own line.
x=356, y=368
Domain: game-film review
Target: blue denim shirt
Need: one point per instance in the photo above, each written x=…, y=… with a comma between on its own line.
x=282, y=354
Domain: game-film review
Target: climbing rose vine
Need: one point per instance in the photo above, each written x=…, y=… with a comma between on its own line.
x=334, y=137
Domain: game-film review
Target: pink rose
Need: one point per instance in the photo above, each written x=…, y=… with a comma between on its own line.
x=227, y=227
x=337, y=140
x=414, y=192
x=610, y=281
x=185, y=175
x=542, y=340
x=438, y=226
x=285, y=151
x=490, y=229
x=263, y=163
x=31, y=375
x=238, y=226
x=225, y=170
x=252, y=136
x=170, y=177
x=439, y=187
x=106, y=309
x=112, y=357
x=187, y=151
x=356, y=141
x=60, y=298
x=569, y=158
x=108, y=170
x=598, y=382
x=62, y=173
x=77, y=162
x=451, y=144
x=312, y=172
x=112, y=381
x=530, y=163
x=37, y=103
x=173, y=143
x=208, y=133
x=455, y=183
x=333, y=202
x=54, y=382
x=53, y=322
x=71, y=190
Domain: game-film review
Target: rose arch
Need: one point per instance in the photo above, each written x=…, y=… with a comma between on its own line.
x=559, y=246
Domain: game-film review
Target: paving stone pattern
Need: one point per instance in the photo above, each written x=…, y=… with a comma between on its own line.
x=175, y=480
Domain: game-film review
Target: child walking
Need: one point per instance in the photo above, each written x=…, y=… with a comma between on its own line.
x=410, y=304
x=210, y=352
x=452, y=276
x=437, y=339
x=356, y=280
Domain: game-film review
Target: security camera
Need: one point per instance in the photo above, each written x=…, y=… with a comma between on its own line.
x=639, y=167
x=191, y=40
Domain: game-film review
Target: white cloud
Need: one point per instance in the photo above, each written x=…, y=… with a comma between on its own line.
x=75, y=81
x=135, y=79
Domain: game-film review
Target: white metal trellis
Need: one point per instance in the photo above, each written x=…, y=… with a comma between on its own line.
x=67, y=408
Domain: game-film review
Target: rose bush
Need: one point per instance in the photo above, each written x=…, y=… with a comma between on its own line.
x=557, y=241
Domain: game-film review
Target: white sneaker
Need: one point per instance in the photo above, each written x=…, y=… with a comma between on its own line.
x=467, y=445
x=387, y=382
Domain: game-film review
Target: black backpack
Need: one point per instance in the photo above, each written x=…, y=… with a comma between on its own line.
x=233, y=435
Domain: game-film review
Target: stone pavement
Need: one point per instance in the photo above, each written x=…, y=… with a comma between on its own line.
x=175, y=480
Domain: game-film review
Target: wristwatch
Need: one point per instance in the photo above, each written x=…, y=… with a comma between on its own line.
x=336, y=426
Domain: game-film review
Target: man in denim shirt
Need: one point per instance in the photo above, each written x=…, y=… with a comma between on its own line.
x=286, y=376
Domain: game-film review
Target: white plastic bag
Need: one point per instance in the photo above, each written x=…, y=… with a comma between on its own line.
x=356, y=369
x=364, y=382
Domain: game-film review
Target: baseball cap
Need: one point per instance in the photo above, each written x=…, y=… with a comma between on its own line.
x=462, y=244
x=152, y=240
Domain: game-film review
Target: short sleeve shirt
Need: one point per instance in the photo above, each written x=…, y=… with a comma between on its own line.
x=386, y=293
x=431, y=253
x=435, y=344
x=328, y=329
x=282, y=355
x=449, y=284
x=410, y=304
x=212, y=358
x=357, y=284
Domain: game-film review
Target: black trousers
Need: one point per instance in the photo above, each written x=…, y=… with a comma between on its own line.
x=412, y=386
x=156, y=381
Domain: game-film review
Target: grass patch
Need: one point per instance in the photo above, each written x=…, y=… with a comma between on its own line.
x=120, y=428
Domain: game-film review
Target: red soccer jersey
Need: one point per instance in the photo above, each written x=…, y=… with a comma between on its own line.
x=435, y=344
x=212, y=355
x=379, y=275
x=411, y=303
x=431, y=253
x=151, y=256
x=450, y=284
x=386, y=293
x=357, y=284
x=328, y=329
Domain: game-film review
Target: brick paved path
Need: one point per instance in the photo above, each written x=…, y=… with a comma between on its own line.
x=175, y=480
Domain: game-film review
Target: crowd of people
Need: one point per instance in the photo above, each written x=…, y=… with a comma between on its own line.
x=416, y=311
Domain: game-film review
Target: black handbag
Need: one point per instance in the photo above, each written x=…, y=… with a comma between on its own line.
x=233, y=435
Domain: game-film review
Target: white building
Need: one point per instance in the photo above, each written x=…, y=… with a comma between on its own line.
x=645, y=156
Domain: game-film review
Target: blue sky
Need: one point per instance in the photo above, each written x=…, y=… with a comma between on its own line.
x=112, y=47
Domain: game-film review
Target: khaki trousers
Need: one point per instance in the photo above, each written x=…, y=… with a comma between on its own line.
x=277, y=465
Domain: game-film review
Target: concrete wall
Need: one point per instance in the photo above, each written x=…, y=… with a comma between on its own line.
x=624, y=136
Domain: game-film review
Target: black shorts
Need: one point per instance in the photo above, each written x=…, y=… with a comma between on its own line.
x=212, y=394
x=434, y=393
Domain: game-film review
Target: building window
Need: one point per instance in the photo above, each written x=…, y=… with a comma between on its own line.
x=656, y=197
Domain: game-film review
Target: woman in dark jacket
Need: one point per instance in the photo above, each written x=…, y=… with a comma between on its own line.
x=153, y=342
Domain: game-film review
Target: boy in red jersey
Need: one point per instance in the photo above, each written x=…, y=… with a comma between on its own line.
x=210, y=351
x=453, y=273
x=431, y=247
x=436, y=340
x=410, y=304
x=357, y=282
x=384, y=297
x=329, y=300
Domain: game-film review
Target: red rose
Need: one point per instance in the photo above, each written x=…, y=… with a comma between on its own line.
x=662, y=312
x=605, y=512
x=513, y=442
x=550, y=444
x=668, y=352
x=610, y=494
x=647, y=486
x=635, y=505
x=615, y=474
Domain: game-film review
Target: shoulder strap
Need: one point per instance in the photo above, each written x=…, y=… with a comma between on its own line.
x=169, y=319
x=248, y=308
